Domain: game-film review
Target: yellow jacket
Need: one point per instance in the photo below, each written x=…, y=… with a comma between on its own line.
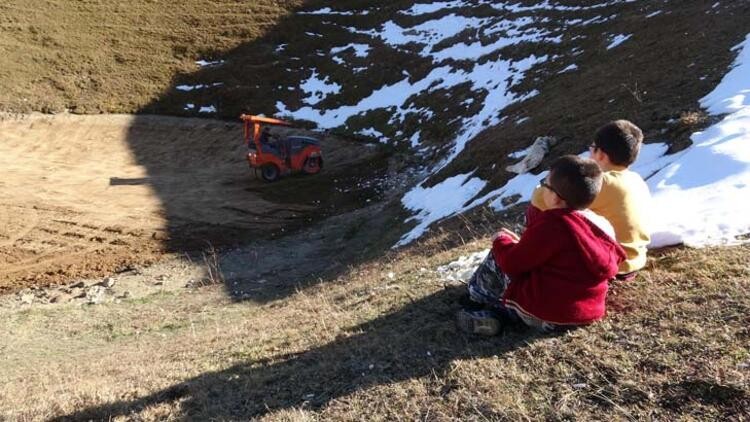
x=624, y=201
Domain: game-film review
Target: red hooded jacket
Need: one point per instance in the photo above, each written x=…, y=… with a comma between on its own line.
x=560, y=267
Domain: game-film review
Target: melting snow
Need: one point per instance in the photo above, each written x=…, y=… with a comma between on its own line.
x=442, y=200
x=318, y=89
x=425, y=8
x=617, y=40
x=204, y=63
x=570, y=68
x=497, y=77
x=189, y=88
x=414, y=140
x=360, y=50
x=708, y=182
x=372, y=132
x=329, y=11
x=492, y=80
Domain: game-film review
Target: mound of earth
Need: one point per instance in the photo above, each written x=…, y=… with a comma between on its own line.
x=87, y=195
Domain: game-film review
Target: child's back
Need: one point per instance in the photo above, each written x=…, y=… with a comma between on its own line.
x=624, y=199
x=560, y=268
x=557, y=272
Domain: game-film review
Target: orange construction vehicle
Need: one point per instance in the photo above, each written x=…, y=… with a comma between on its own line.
x=282, y=156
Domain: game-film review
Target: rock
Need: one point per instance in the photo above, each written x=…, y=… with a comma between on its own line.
x=124, y=295
x=27, y=298
x=78, y=285
x=107, y=282
x=96, y=295
x=60, y=298
x=535, y=155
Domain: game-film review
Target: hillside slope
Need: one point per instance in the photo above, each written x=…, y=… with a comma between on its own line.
x=379, y=340
x=458, y=85
x=329, y=322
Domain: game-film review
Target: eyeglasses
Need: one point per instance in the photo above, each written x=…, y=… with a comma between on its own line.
x=543, y=183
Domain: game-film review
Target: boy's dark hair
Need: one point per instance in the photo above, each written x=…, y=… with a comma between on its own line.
x=576, y=180
x=620, y=140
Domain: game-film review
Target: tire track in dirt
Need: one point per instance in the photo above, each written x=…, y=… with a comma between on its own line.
x=83, y=196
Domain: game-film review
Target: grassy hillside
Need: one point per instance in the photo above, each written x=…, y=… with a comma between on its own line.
x=98, y=56
x=379, y=341
x=329, y=323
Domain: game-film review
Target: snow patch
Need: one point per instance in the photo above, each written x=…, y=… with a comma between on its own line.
x=733, y=92
x=360, y=50
x=188, y=88
x=317, y=89
x=570, y=68
x=710, y=181
x=617, y=40
x=425, y=8
x=204, y=63
x=437, y=202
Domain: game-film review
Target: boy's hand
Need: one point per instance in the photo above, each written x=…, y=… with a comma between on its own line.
x=506, y=232
x=510, y=234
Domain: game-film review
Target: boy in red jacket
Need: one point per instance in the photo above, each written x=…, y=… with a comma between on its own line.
x=556, y=273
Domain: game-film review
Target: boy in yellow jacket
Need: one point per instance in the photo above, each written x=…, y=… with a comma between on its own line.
x=624, y=199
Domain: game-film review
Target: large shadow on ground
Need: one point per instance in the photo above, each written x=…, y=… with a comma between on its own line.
x=410, y=343
x=211, y=200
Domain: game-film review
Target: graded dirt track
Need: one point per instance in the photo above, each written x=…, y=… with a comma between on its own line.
x=87, y=195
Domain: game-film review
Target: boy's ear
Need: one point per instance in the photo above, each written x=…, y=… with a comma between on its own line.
x=561, y=202
x=600, y=155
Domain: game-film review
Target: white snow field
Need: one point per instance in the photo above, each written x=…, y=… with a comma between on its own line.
x=702, y=197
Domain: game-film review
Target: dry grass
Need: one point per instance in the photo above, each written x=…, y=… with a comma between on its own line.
x=102, y=56
x=673, y=347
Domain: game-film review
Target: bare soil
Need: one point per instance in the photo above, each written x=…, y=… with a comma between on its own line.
x=85, y=196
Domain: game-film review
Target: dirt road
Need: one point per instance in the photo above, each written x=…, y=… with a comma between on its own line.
x=86, y=195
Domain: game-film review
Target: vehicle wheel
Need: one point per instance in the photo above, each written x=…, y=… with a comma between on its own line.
x=269, y=172
x=312, y=165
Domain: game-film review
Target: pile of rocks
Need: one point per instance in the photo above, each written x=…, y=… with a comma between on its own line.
x=92, y=294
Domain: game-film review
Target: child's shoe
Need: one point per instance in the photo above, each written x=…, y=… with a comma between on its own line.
x=484, y=323
x=468, y=304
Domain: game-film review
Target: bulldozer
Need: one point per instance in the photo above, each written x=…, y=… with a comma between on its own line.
x=287, y=155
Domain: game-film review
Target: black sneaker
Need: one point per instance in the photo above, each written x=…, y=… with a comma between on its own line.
x=470, y=304
x=483, y=323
